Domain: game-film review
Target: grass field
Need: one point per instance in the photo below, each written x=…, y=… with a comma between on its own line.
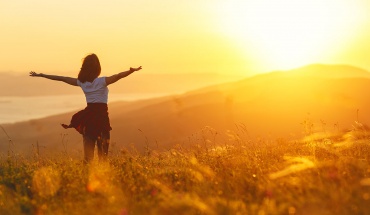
x=325, y=173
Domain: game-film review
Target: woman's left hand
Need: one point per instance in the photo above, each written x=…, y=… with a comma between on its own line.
x=135, y=69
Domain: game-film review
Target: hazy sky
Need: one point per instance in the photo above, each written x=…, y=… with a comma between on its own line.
x=234, y=36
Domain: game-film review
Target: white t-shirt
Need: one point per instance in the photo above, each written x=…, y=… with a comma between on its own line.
x=96, y=91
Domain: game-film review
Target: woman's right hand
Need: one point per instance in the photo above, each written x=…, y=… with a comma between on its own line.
x=34, y=74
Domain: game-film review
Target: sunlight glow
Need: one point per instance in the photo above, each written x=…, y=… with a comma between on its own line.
x=291, y=33
x=243, y=37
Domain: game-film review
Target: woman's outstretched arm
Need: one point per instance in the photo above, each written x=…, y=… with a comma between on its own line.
x=68, y=80
x=116, y=77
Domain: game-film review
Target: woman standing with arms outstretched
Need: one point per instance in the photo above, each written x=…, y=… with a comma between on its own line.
x=93, y=121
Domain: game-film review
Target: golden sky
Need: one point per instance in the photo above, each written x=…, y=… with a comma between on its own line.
x=242, y=37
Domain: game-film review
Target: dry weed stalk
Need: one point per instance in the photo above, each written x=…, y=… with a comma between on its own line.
x=10, y=143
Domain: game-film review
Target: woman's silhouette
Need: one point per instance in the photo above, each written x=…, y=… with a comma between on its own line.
x=93, y=121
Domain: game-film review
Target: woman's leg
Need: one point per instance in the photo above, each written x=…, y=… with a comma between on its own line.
x=103, y=145
x=89, y=146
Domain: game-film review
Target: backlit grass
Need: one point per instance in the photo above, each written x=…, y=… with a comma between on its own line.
x=327, y=173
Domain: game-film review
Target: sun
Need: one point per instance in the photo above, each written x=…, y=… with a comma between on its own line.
x=290, y=33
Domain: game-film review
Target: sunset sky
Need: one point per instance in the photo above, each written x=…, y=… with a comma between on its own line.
x=165, y=36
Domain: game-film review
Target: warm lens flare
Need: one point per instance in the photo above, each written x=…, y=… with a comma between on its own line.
x=291, y=33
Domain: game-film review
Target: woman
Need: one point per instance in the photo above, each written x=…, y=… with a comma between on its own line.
x=93, y=121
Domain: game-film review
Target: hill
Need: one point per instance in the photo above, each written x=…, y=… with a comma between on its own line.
x=270, y=106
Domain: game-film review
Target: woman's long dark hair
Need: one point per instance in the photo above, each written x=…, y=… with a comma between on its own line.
x=90, y=69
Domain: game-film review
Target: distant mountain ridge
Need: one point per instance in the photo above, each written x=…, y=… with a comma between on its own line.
x=23, y=85
x=331, y=71
x=313, y=70
x=267, y=106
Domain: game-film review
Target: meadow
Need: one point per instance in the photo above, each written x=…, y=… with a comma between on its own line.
x=323, y=173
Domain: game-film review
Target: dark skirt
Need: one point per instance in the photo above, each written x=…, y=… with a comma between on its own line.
x=92, y=122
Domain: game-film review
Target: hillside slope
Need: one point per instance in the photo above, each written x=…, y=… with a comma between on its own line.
x=268, y=106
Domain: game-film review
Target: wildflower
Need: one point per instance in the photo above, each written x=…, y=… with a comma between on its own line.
x=154, y=192
x=123, y=212
x=268, y=193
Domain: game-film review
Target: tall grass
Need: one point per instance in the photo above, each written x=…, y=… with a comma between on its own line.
x=321, y=174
